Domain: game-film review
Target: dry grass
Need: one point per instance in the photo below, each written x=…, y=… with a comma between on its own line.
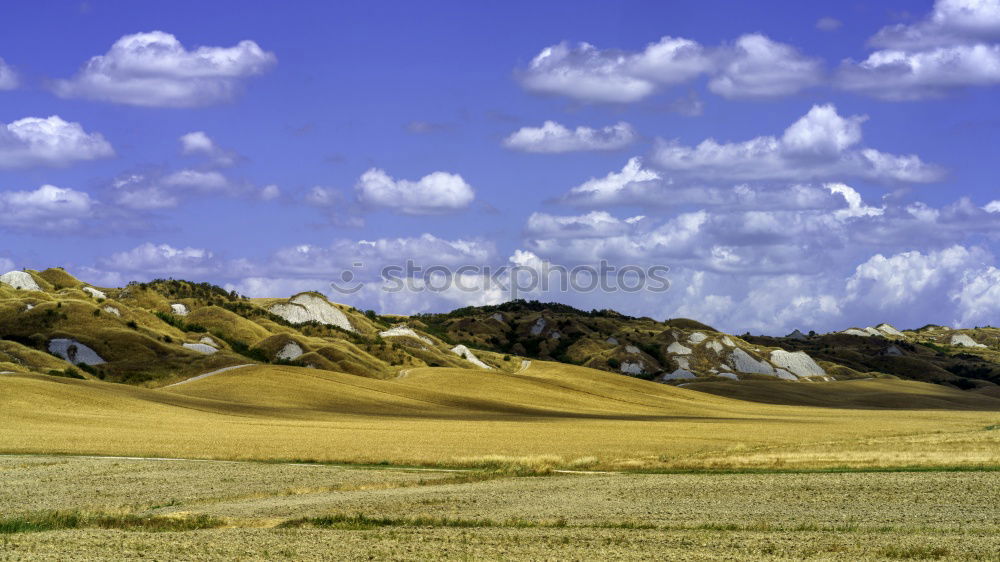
x=451, y=417
x=847, y=516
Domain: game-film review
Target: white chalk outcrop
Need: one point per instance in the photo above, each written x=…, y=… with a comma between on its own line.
x=290, y=352
x=96, y=293
x=631, y=349
x=714, y=346
x=963, y=340
x=209, y=341
x=467, y=354
x=889, y=330
x=538, y=327
x=729, y=376
x=179, y=309
x=856, y=332
x=20, y=280
x=798, y=362
x=678, y=375
x=612, y=340
x=783, y=374
x=678, y=349
x=498, y=317
x=404, y=331
x=112, y=310
x=74, y=352
x=308, y=307
x=743, y=362
x=201, y=348
x=632, y=368
x=697, y=338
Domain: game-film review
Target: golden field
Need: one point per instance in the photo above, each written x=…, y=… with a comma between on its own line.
x=104, y=508
x=550, y=416
x=554, y=462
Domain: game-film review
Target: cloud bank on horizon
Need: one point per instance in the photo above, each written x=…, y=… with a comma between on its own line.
x=814, y=169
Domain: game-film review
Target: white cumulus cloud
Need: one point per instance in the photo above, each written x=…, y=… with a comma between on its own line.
x=955, y=46
x=199, y=143
x=753, y=67
x=435, y=193
x=48, y=208
x=553, y=137
x=905, y=75
x=820, y=145
x=587, y=73
x=757, y=67
x=155, y=69
x=615, y=186
x=157, y=190
x=163, y=259
x=50, y=141
x=950, y=22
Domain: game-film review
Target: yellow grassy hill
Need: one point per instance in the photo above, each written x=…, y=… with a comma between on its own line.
x=437, y=416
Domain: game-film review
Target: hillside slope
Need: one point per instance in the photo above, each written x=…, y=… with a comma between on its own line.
x=166, y=331
x=435, y=416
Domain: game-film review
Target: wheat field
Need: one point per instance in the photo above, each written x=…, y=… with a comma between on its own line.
x=551, y=416
x=103, y=508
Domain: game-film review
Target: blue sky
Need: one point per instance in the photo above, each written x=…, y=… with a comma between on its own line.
x=813, y=165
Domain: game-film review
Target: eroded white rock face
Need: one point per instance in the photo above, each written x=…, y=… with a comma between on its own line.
x=697, y=338
x=467, y=354
x=873, y=332
x=179, y=309
x=798, y=362
x=632, y=368
x=729, y=376
x=678, y=375
x=783, y=374
x=889, y=330
x=97, y=294
x=312, y=308
x=20, y=280
x=728, y=342
x=74, y=352
x=209, y=341
x=856, y=332
x=678, y=349
x=682, y=362
x=743, y=362
x=201, y=348
x=612, y=340
x=538, y=327
x=498, y=317
x=112, y=310
x=404, y=331
x=964, y=341
x=290, y=352
x=631, y=349
x=714, y=346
